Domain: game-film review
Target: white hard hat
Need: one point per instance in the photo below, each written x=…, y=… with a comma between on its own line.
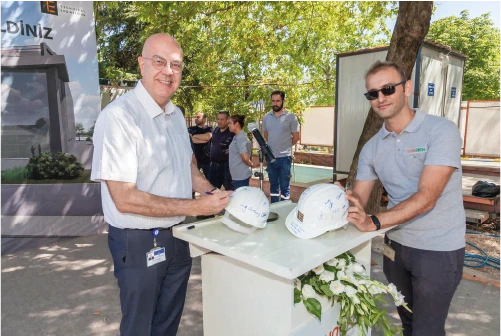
x=247, y=210
x=321, y=208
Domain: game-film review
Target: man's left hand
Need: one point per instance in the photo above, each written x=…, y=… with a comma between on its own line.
x=357, y=215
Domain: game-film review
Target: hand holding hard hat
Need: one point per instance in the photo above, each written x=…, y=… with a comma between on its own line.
x=247, y=210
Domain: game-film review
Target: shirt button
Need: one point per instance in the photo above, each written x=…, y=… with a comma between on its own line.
x=398, y=140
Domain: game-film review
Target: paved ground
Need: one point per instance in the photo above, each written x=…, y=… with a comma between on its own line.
x=68, y=288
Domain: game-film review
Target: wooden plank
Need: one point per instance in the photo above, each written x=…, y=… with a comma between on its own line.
x=480, y=200
x=475, y=216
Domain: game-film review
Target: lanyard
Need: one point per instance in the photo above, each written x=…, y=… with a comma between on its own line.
x=155, y=233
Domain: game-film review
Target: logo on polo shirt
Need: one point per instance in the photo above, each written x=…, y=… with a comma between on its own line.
x=415, y=150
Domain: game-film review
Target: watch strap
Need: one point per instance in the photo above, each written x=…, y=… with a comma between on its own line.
x=376, y=222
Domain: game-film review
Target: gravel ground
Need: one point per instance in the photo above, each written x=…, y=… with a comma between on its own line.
x=488, y=243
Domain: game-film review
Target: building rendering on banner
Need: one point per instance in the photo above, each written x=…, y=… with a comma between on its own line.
x=437, y=79
x=37, y=106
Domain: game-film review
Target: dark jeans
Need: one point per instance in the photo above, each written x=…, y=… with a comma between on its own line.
x=279, y=175
x=220, y=175
x=428, y=280
x=205, y=169
x=151, y=298
x=240, y=183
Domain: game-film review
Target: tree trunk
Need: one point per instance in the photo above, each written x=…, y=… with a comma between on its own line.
x=413, y=22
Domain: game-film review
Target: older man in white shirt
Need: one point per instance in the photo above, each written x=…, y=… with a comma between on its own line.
x=142, y=157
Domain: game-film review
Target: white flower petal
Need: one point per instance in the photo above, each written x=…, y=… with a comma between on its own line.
x=308, y=292
x=350, y=291
x=341, y=263
x=319, y=269
x=327, y=276
x=332, y=262
x=336, y=287
x=357, y=268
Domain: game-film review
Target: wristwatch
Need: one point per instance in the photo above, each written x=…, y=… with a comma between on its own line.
x=376, y=222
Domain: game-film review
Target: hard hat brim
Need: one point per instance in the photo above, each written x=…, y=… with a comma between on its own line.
x=297, y=228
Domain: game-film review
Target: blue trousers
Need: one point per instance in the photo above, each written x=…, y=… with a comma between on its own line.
x=279, y=175
x=240, y=183
x=220, y=175
x=428, y=280
x=205, y=169
x=151, y=298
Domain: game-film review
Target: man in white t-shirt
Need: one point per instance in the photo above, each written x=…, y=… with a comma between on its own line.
x=142, y=157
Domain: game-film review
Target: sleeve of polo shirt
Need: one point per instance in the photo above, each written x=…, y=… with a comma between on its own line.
x=242, y=146
x=444, y=146
x=366, y=170
x=115, y=156
x=294, y=124
x=264, y=124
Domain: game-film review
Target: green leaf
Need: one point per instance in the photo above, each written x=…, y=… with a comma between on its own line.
x=330, y=268
x=297, y=295
x=313, y=307
x=316, y=285
x=326, y=290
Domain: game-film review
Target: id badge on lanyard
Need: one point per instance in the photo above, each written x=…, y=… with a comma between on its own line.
x=156, y=254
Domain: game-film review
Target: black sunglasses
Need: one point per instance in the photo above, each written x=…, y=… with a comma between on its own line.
x=388, y=90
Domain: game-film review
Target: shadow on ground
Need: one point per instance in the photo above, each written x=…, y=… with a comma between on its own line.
x=68, y=288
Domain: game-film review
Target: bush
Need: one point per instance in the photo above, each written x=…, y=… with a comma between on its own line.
x=60, y=166
x=14, y=174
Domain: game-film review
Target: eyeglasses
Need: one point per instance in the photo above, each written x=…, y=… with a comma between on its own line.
x=388, y=90
x=159, y=63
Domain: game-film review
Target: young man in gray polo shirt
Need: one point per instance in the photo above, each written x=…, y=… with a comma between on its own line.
x=281, y=131
x=416, y=156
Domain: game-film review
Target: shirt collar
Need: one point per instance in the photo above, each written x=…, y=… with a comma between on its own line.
x=149, y=104
x=284, y=112
x=413, y=126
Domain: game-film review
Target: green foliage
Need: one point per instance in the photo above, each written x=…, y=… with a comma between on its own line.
x=479, y=40
x=79, y=128
x=343, y=281
x=313, y=307
x=297, y=295
x=236, y=53
x=14, y=174
x=61, y=166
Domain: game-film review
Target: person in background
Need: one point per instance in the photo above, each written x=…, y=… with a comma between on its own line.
x=281, y=131
x=240, y=153
x=219, y=162
x=200, y=135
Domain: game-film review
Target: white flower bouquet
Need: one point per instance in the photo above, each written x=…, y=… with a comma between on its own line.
x=345, y=281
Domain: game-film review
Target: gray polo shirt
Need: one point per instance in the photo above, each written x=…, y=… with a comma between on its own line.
x=239, y=145
x=279, y=132
x=398, y=159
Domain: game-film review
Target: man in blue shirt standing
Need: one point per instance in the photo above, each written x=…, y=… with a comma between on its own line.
x=281, y=131
x=201, y=135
